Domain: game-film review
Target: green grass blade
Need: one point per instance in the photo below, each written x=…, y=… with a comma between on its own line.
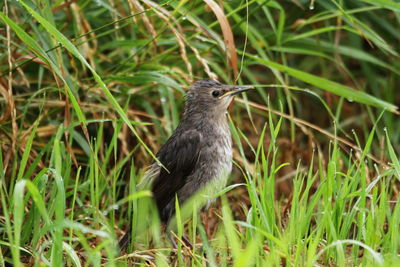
x=327, y=85
x=73, y=50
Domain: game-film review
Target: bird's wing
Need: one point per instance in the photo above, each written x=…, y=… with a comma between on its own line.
x=179, y=156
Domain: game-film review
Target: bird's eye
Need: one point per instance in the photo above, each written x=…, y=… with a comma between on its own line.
x=216, y=93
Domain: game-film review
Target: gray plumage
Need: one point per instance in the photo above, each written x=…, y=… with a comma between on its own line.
x=199, y=153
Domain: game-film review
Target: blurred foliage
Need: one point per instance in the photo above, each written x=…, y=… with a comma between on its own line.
x=93, y=88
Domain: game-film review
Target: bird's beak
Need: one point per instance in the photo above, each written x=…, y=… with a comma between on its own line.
x=234, y=90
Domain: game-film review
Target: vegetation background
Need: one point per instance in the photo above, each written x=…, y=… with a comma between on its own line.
x=89, y=90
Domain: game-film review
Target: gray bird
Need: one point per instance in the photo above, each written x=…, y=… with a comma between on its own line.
x=198, y=155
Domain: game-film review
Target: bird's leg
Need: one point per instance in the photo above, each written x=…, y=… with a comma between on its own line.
x=170, y=235
x=185, y=240
x=172, y=240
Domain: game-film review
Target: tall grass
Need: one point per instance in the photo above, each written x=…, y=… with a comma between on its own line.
x=90, y=90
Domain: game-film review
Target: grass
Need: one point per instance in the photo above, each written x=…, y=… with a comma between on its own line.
x=89, y=91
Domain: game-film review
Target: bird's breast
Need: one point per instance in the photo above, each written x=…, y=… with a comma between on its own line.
x=220, y=164
x=216, y=160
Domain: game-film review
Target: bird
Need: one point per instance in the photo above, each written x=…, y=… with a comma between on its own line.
x=198, y=154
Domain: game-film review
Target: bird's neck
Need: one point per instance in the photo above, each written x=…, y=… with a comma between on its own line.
x=204, y=120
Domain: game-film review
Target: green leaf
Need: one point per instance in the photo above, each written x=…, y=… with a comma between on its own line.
x=28, y=40
x=27, y=152
x=395, y=6
x=73, y=50
x=328, y=85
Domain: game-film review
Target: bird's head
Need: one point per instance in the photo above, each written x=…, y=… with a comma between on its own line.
x=211, y=96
